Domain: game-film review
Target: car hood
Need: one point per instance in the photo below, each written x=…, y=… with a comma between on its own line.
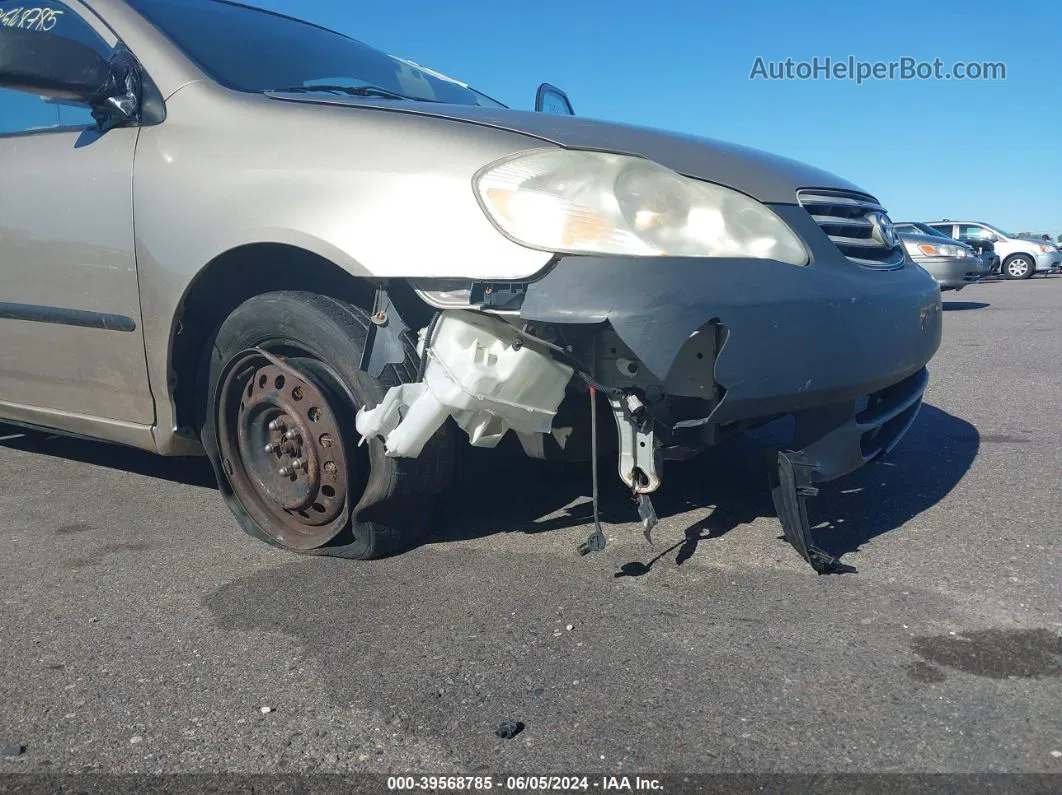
x=764, y=176
x=933, y=240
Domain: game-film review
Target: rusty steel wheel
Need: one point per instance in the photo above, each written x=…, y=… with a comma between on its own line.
x=284, y=451
x=281, y=392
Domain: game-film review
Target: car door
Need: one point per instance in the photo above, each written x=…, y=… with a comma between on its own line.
x=70, y=330
x=976, y=235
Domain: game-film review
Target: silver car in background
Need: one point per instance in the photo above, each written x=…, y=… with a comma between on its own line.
x=953, y=264
x=980, y=247
x=1022, y=258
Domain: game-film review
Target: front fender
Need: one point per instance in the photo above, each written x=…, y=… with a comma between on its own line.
x=378, y=194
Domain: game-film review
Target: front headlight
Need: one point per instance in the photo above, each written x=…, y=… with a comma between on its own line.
x=598, y=203
x=1044, y=249
x=934, y=249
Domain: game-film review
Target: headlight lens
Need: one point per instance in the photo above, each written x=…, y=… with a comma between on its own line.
x=934, y=249
x=599, y=203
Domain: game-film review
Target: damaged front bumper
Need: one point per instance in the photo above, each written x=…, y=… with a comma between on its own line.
x=840, y=348
x=794, y=338
x=686, y=350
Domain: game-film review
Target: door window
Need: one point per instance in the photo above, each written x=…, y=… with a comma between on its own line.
x=974, y=232
x=21, y=112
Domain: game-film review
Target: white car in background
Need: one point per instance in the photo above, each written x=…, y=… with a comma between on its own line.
x=1020, y=257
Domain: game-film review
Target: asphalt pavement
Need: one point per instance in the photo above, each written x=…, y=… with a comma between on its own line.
x=141, y=631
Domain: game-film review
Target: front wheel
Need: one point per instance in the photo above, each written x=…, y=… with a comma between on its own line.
x=284, y=388
x=1020, y=266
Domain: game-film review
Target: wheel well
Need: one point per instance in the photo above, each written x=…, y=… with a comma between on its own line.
x=1009, y=257
x=242, y=273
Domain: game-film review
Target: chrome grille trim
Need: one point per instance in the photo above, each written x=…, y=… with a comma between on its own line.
x=839, y=198
x=873, y=263
x=856, y=242
x=823, y=220
x=846, y=218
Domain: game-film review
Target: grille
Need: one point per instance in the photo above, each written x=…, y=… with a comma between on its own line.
x=887, y=415
x=850, y=220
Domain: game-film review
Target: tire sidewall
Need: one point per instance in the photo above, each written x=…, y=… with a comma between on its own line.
x=292, y=320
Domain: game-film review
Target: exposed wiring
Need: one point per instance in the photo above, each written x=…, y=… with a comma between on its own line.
x=596, y=541
x=422, y=366
x=594, y=385
x=580, y=369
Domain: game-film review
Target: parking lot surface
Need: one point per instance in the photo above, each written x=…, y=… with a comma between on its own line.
x=140, y=630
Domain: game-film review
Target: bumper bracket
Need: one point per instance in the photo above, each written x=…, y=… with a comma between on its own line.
x=790, y=487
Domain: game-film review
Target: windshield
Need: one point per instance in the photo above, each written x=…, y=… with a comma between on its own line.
x=248, y=49
x=999, y=231
x=927, y=229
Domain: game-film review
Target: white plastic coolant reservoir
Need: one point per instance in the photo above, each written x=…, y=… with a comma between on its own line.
x=482, y=373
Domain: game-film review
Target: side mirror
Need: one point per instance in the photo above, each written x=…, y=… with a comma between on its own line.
x=550, y=99
x=51, y=66
x=65, y=70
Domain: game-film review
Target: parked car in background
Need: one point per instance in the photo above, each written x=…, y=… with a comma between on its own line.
x=953, y=264
x=1020, y=257
x=985, y=249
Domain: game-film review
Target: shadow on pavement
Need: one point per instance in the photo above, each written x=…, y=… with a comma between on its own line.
x=957, y=306
x=497, y=492
x=731, y=478
x=190, y=471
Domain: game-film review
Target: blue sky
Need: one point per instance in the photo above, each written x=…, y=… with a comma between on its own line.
x=984, y=150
